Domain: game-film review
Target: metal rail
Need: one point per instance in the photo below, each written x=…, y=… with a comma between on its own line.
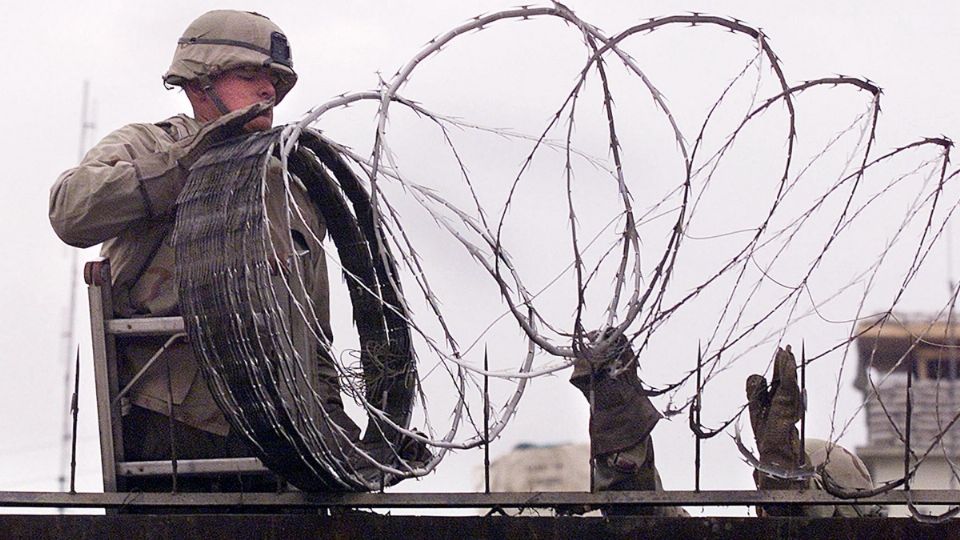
x=463, y=500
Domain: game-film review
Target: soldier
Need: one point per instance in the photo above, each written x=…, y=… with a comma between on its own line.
x=775, y=410
x=622, y=419
x=233, y=66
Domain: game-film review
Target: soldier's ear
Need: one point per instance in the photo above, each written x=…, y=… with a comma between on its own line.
x=194, y=92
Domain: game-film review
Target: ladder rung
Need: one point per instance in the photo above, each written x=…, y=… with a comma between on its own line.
x=192, y=467
x=153, y=326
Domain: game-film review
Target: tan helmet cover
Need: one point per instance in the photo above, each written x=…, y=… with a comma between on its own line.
x=221, y=40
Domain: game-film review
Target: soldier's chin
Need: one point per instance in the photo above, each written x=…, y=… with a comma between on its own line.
x=260, y=123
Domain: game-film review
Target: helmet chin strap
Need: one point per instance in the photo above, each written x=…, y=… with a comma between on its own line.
x=207, y=86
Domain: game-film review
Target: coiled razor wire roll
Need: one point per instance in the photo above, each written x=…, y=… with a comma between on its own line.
x=235, y=296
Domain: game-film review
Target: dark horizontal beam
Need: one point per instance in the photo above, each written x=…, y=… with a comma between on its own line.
x=463, y=500
x=367, y=525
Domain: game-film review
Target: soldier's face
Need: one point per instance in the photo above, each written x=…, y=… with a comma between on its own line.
x=241, y=87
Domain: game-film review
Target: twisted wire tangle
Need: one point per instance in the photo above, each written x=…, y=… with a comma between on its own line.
x=766, y=278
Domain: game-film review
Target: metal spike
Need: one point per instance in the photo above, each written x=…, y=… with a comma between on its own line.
x=696, y=405
x=803, y=399
x=74, y=410
x=486, y=422
x=906, y=452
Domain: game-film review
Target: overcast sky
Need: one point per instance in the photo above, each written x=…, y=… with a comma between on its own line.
x=123, y=48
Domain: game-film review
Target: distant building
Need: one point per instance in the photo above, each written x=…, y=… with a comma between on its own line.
x=887, y=352
x=564, y=467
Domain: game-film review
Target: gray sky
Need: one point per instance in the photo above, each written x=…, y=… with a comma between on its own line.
x=517, y=71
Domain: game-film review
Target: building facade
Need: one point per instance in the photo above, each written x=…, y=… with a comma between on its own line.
x=895, y=353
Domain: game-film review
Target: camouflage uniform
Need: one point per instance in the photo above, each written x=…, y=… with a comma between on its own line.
x=123, y=194
x=104, y=200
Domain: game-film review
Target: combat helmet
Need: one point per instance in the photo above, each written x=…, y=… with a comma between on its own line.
x=221, y=40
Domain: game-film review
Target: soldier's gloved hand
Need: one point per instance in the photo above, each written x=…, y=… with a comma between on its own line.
x=220, y=129
x=774, y=412
x=597, y=365
x=163, y=174
x=615, y=356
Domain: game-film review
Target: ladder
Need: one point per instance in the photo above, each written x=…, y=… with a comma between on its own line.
x=105, y=329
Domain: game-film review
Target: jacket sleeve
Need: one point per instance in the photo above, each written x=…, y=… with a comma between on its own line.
x=131, y=175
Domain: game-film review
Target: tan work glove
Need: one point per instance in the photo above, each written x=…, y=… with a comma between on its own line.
x=621, y=414
x=163, y=174
x=774, y=413
x=596, y=364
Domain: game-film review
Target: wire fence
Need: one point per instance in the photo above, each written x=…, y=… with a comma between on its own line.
x=746, y=235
